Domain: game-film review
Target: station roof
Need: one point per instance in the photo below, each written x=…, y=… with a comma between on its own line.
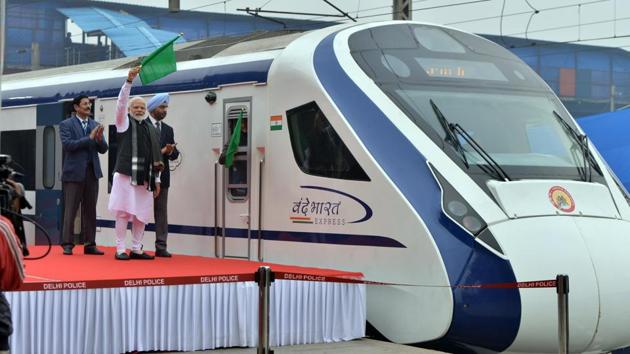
x=130, y=34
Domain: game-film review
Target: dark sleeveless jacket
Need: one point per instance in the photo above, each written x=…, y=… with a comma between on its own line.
x=145, y=154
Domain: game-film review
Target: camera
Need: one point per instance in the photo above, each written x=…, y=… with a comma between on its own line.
x=7, y=192
x=12, y=199
x=210, y=97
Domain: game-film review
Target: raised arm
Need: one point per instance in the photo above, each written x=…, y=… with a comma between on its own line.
x=122, y=123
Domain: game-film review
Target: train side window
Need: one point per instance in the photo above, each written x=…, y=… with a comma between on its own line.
x=317, y=148
x=237, y=175
x=20, y=144
x=48, y=170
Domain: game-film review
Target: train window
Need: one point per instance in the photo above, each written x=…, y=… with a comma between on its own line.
x=20, y=144
x=317, y=148
x=237, y=174
x=437, y=55
x=49, y=157
x=437, y=40
x=395, y=65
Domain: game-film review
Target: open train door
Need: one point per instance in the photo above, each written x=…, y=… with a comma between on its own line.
x=236, y=191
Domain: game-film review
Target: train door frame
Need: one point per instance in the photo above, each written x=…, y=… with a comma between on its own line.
x=49, y=188
x=45, y=191
x=231, y=201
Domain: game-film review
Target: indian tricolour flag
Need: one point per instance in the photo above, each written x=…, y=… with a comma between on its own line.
x=275, y=122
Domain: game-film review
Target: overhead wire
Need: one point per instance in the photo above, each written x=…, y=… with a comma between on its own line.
x=501, y=23
x=391, y=13
x=523, y=12
x=579, y=27
x=265, y=4
x=548, y=29
x=615, y=18
x=534, y=13
x=425, y=8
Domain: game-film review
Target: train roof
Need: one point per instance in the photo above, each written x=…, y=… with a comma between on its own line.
x=201, y=65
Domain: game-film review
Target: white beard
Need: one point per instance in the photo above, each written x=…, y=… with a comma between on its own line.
x=139, y=118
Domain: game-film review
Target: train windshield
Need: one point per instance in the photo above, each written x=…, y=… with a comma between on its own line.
x=456, y=86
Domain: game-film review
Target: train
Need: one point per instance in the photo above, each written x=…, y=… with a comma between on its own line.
x=425, y=157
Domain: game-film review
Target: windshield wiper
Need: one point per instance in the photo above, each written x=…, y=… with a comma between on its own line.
x=586, y=172
x=450, y=133
x=498, y=172
x=492, y=168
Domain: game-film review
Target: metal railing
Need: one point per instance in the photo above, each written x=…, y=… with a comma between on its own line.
x=562, y=289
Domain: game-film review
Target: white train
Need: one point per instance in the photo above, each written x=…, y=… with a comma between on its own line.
x=413, y=153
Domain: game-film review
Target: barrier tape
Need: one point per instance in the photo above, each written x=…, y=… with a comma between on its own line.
x=246, y=277
x=136, y=282
x=335, y=279
x=517, y=285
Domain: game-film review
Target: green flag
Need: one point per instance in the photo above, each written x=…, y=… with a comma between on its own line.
x=159, y=63
x=234, y=141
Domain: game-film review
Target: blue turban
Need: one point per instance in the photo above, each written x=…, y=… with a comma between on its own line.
x=157, y=100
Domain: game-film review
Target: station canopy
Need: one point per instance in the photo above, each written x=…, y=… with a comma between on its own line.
x=130, y=34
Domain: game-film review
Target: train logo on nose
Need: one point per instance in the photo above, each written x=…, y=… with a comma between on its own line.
x=561, y=199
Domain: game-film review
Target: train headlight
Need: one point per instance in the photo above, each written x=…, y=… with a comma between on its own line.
x=472, y=223
x=455, y=207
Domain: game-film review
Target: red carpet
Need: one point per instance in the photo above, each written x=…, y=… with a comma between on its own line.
x=79, y=271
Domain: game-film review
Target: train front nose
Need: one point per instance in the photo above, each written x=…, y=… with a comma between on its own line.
x=595, y=253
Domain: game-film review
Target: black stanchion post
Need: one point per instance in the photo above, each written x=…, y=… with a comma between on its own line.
x=562, y=289
x=264, y=277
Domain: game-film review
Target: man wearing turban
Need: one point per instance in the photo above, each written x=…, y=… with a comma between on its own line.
x=158, y=107
x=137, y=172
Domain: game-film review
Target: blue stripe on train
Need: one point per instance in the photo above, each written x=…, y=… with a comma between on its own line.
x=194, y=79
x=272, y=235
x=474, y=315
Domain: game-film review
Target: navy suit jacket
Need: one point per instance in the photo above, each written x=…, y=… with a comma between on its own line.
x=79, y=149
x=167, y=137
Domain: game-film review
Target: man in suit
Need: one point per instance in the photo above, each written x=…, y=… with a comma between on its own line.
x=82, y=140
x=158, y=107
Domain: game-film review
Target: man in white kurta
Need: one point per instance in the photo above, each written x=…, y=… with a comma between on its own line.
x=136, y=180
